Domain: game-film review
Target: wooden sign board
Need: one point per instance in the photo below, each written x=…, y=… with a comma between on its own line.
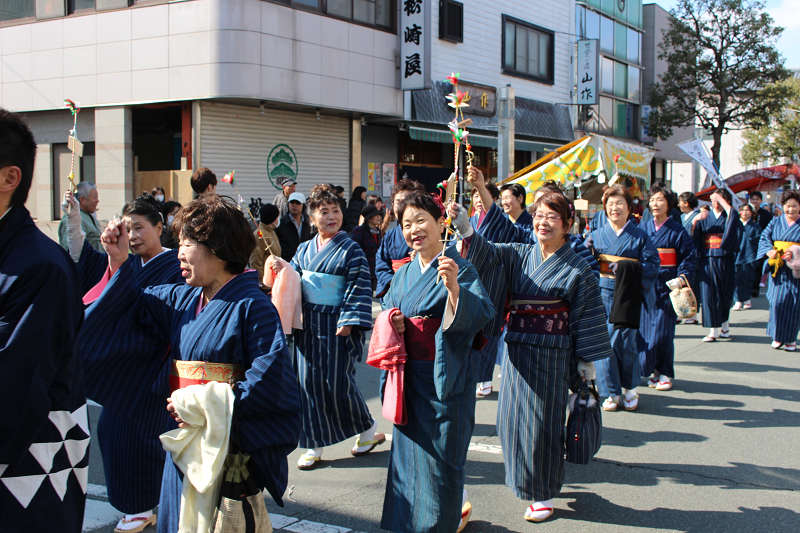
x=482, y=99
x=75, y=145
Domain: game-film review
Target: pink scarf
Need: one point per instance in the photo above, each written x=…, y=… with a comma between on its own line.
x=286, y=294
x=387, y=351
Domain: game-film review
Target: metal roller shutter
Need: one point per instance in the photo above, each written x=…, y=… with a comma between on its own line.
x=240, y=138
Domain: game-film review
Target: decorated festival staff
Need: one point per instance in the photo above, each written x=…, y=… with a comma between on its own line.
x=780, y=242
x=716, y=236
x=747, y=258
x=337, y=309
x=220, y=327
x=394, y=251
x=424, y=490
x=656, y=341
x=133, y=458
x=628, y=268
x=556, y=314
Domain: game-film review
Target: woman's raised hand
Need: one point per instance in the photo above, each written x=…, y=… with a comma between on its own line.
x=115, y=243
x=174, y=414
x=448, y=270
x=272, y=263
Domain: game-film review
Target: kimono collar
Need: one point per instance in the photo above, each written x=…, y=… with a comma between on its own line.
x=425, y=268
x=317, y=240
x=165, y=250
x=788, y=223
x=622, y=229
x=658, y=226
x=201, y=305
x=4, y=214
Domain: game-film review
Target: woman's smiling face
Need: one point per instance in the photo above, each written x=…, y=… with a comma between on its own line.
x=420, y=229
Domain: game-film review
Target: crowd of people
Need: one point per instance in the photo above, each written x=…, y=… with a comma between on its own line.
x=169, y=298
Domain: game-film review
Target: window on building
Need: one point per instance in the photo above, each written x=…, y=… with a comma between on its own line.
x=16, y=9
x=592, y=24
x=527, y=50
x=620, y=41
x=79, y=5
x=451, y=21
x=607, y=35
x=371, y=12
x=634, y=88
x=47, y=9
x=607, y=75
x=633, y=46
x=110, y=4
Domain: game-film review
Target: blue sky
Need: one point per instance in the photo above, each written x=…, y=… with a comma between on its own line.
x=787, y=15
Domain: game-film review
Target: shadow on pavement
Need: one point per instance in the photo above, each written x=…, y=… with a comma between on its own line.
x=628, y=438
x=735, y=366
x=594, y=508
x=731, y=389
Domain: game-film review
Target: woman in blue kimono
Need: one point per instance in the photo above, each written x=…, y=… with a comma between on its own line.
x=656, y=340
x=620, y=239
x=556, y=313
x=784, y=288
x=393, y=252
x=337, y=309
x=716, y=237
x=747, y=258
x=133, y=458
x=220, y=327
x=425, y=486
x=512, y=199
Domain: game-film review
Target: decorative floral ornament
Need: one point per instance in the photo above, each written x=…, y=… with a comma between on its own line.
x=228, y=178
x=616, y=158
x=74, y=107
x=457, y=99
x=453, y=78
x=459, y=134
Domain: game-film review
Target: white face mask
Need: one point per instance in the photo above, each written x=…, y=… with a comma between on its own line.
x=277, y=222
x=160, y=197
x=170, y=218
x=636, y=202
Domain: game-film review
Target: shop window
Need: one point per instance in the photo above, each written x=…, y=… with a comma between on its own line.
x=607, y=35
x=451, y=21
x=527, y=50
x=16, y=9
x=47, y=9
x=414, y=152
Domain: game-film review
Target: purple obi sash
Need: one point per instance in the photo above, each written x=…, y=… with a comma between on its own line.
x=538, y=315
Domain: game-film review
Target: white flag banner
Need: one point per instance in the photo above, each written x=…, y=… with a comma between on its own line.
x=698, y=151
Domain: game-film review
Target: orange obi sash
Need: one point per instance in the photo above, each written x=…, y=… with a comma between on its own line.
x=605, y=260
x=398, y=263
x=185, y=373
x=669, y=257
x=712, y=241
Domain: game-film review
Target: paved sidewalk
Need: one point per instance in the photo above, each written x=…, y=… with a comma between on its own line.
x=718, y=453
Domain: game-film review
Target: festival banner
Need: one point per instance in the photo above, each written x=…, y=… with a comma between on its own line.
x=698, y=151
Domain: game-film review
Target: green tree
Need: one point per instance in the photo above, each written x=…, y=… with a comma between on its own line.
x=721, y=58
x=779, y=138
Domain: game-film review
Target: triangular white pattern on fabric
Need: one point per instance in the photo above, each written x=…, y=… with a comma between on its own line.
x=63, y=421
x=81, y=418
x=83, y=477
x=3, y=469
x=59, y=482
x=76, y=450
x=24, y=488
x=44, y=452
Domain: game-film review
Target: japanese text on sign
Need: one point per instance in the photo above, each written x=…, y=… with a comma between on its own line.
x=415, y=44
x=587, y=72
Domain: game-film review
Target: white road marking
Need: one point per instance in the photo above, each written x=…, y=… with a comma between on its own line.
x=99, y=514
x=473, y=446
x=98, y=491
x=280, y=521
x=306, y=526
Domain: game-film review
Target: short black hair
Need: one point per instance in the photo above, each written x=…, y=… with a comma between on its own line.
x=516, y=189
x=420, y=200
x=17, y=149
x=145, y=206
x=663, y=189
x=756, y=193
x=790, y=195
x=725, y=194
x=690, y=199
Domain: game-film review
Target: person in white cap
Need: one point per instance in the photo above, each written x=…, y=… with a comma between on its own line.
x=281, y=200
x=294, y=227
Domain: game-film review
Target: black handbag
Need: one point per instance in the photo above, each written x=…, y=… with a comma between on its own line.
x=584, y=427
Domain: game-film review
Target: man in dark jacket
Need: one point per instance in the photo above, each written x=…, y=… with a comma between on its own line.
x=294, y=227
x=44, y=448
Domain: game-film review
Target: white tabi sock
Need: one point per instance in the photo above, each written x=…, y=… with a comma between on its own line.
x=314, y=452
x=664, y=378
x=369, y=434
x=715, y=332
x=630, y=393
x=726, y=325
x=464, y=498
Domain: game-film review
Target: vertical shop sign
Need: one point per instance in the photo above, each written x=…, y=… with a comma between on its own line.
x=415, y=44
x=587, y=72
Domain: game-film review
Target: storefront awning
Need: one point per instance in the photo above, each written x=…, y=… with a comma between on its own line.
x=445, y=137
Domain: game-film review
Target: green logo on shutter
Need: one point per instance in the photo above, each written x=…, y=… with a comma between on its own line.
x=281, y=165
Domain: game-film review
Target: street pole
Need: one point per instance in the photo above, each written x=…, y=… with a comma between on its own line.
x=506, y=109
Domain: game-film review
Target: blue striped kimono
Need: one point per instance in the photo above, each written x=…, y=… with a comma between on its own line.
x=133, y=458
x=598, y=221
x=687, y=218
x=656, y=339
x=426, y=463
x=531, y=413
x=239, y=325
x=393, y=247
x=524, y=221
x=333, y=407
x=746, y=260
x=783, y=292
x=717, y=267
x=623, y=371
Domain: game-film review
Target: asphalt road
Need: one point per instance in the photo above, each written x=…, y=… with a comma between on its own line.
x=718, y=453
